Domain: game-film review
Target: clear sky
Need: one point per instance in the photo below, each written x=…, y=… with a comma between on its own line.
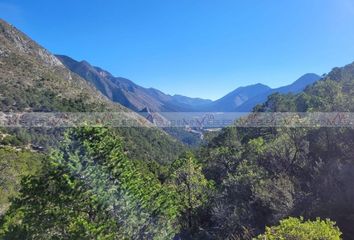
x=198, y=48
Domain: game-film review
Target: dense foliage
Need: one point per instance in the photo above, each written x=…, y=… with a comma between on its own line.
x=192, y=189
x=90, y=190
x=14, y=165
x=263, y=175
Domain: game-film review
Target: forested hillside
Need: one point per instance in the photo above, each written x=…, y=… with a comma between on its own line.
x=265, y=174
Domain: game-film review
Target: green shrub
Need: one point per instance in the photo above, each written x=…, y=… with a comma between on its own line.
x=298, y=229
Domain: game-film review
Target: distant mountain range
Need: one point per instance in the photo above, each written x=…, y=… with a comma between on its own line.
x=128, y=93
x=298, y=86
x=138, y=98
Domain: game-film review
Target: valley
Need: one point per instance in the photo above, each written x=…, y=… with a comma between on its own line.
x=150, y=179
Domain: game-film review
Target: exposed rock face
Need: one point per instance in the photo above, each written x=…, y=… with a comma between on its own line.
x=24, y=44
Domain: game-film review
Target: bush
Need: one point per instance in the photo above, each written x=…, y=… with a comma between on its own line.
x=10, y=140
x=298, y=229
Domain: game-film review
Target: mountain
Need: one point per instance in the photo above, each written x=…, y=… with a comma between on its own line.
x=238, y=97
x=34, y=80
x=128, y=93
x=137, y=98
x=193, y=102
x=244, y=99
x=296, y=87
x=300, y=84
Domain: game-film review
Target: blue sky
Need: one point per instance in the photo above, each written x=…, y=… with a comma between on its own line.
x=198, y=48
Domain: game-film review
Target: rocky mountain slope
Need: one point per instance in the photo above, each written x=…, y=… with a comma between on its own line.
x=34, y=80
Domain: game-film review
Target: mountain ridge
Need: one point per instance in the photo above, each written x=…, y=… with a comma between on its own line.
x=137, y=98
x=237, y=97
x=126, y=92
x=295, y=87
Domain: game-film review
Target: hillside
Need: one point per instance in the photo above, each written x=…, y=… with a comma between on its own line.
x=267, y=174
x=34, y=80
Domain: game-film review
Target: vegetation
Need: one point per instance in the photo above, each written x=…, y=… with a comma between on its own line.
x=133, y=183
x=188, y=138
x=241, y=181
x=192, y=188
x=294, y=228
x=263, y=175
x=90, y=190
x=15, y=164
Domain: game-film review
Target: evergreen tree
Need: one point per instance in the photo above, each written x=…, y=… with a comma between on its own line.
x=191, y=185
x=90, y=190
